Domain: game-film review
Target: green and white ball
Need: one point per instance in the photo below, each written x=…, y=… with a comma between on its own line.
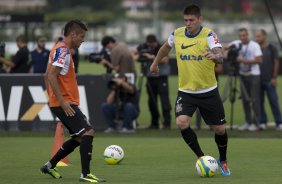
x=113, y=154
x=206, y=166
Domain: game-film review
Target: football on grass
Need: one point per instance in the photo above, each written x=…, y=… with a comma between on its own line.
x=206, y=166
x=113, y=154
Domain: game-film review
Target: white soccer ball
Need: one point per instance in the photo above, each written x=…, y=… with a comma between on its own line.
x=113, y=154
x=206, y=166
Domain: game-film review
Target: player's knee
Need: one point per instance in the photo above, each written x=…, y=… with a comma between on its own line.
x=89, y=132
x=220, y=130
x=78, y=139
x=182, y=123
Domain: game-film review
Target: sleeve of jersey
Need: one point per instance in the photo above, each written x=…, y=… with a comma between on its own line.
x=213, y=40
x=170, y=40
x=60, y=57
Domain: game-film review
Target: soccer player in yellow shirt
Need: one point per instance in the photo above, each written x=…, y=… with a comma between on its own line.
x=197, y=51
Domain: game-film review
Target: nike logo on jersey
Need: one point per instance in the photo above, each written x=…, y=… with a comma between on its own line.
x=187, y=46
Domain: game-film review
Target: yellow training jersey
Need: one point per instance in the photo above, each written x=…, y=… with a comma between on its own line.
x=195, y=72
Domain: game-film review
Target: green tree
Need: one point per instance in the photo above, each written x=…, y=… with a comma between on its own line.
x=86, y=10
x=110, y=5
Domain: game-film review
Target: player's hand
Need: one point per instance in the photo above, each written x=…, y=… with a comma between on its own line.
x=210, y=55
x=66, y=105
x=154, y=69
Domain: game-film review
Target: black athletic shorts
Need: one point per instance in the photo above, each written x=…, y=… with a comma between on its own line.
x=76, y=124
x=209, y=104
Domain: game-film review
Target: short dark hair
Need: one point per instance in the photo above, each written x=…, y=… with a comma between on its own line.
x=74, y=25
x=263, y=31
x=106, y=40
x=243, y=29
x=151, y=38
x=192, y=9
x=21, y=38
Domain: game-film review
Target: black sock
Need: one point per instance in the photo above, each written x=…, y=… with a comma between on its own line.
x=221, y=141
x=66, y=149
x=86, y=153
x=190, y=138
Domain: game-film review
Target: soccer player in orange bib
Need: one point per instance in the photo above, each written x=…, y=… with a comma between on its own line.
x=61, y=84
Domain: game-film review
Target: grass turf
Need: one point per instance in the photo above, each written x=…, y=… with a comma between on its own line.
x=152, y=157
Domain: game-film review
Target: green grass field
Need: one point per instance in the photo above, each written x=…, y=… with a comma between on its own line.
x=150, y=158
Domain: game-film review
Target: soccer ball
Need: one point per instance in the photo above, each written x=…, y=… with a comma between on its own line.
x=206, y=166
x=113, y=154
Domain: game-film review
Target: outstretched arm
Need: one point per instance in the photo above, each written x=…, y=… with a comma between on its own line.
x=163, y=52
x=7, y=62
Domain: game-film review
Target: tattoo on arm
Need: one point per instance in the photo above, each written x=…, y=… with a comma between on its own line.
x=218, y=53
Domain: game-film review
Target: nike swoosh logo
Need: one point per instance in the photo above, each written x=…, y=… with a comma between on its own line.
x=187, y=46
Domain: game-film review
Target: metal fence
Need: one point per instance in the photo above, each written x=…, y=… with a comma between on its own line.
x=132, y=32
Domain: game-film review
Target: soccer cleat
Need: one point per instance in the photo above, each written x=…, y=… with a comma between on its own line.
x=53, y=172
x=91, y=178
x=224, y=170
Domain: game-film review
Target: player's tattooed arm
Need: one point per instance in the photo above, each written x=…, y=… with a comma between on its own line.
x=216, y=54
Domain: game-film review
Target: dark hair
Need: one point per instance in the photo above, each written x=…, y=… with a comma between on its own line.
x=21, y=38
x=74, y=25
x=60, y=39
x=151, y=38
x=263, y=31
x=243, y=29
x=106, y=40
x=192, y=9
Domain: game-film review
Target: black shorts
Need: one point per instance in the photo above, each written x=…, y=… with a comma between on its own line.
x=76, y=124
x=209, y=104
